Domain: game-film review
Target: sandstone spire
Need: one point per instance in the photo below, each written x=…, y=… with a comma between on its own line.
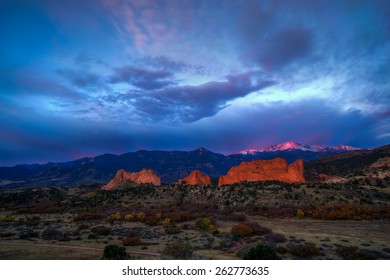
x=141, y=177
x=196, y=178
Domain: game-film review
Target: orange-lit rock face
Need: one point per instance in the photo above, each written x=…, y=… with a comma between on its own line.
x=196, y=178
x=263, y=170
x=142, y=177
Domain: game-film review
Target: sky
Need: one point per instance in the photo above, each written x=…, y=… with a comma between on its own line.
x=84, y=78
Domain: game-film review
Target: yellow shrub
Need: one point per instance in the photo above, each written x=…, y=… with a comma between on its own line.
x=166, y=221
x=300, y=213
x=129, y=217
x=140, y=216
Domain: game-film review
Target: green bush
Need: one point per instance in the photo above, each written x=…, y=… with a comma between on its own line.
x=205, y=224
x=171, y=228
x=115, y=252
x=261, y=252
x=305, y=250
x=178, y=250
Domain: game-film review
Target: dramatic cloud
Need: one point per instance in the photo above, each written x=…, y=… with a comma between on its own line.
x=284, y=46
x=142, y=78
x=98, y=76
x=191, y=103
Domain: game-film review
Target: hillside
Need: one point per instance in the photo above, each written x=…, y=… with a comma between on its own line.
x=359, y=162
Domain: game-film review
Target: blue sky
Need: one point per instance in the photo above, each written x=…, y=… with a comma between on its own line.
x=82, y=78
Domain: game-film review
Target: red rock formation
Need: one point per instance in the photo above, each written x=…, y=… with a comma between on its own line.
x=141, y=177
x=196, y=178
x=262, y=170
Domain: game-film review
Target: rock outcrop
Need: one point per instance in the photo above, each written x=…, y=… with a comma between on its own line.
x=143, y=176
x=263, y=170
x=196, y=178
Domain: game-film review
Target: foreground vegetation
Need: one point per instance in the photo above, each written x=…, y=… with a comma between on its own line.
x=253, y=220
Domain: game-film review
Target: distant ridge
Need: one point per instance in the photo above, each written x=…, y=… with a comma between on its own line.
x=170, y=166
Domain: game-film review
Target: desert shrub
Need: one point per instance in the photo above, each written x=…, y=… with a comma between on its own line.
x=91, y=236
x=349, y=211
x=171, y=228
x=131, y=241
x=151, y=221
x=272, y=237
x=87, y=216
x=305, y=250
x=100, y=230
x=65, y=238
x=257, y=229
x=166, y=221
x=28, y=234
x=354, y=253
x=129, y=217
x=300, y=213
x=261, y=252
x=33, y=219
x=232, y=217
x=82, y=227
x=276, y=212
x=178, y=217
x=115, y=252
x=140, y=216
x=7, y=218
x=178, y=250
x=51, y=234
x=242, y=230
x=134, y=217
x=114, y=217
x=205, y=224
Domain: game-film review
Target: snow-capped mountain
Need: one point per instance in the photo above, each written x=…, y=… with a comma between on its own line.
x=292, y=146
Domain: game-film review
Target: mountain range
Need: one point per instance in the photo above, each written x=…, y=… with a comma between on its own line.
x=169, y=165
x=289, y=146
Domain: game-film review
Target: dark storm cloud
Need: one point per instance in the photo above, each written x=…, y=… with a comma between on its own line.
x=285, y=46
x=268, y=36
x=191, y=103
x=255, y=126
x=142, y=78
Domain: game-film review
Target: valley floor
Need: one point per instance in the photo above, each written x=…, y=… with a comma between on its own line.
x=294, y=221
x=371, y=236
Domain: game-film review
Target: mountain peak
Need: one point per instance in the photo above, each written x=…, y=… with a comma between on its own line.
x=291, y=145
x=202, y=150
x=288, y=145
